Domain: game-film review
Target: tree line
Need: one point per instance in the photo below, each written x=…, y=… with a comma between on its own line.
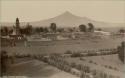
x=29, y=29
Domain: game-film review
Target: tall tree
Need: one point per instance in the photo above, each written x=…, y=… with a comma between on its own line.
x=28, y=29
x=41, y=29
x=1, y=31
x=10, y=31
x=91, y=27
x=82, y=28
x=37, y=30
x=4, y=31
x=53, y=27
x=45, y=30
x=122, y=31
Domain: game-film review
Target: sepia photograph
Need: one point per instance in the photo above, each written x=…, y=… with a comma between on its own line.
x=62, y=38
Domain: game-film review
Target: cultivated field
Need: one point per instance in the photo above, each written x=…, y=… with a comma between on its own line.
x=30, y=68
x=63, y=46
x=109, y=64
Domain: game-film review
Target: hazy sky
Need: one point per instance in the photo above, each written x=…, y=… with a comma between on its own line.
x=31, y=10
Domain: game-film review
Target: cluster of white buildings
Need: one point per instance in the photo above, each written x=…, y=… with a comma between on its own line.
x=66, y=36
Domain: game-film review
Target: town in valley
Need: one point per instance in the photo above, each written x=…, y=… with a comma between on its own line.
x=64, y=46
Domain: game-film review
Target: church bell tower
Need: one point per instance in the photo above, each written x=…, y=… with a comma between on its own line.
x=17, y=26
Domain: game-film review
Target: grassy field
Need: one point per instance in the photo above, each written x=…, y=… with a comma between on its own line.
x=36, y=69
x=63, y=46
x=109, y=60
x=99, y=63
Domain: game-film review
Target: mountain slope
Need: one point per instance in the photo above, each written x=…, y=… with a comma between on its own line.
x=67, y=19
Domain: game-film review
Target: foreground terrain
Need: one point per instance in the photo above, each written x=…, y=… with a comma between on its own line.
x=34, y=68
x=30, y=68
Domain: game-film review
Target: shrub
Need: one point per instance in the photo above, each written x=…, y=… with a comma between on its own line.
x=68, y=52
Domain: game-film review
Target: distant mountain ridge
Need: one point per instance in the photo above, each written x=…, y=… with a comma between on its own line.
x=67, y=19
